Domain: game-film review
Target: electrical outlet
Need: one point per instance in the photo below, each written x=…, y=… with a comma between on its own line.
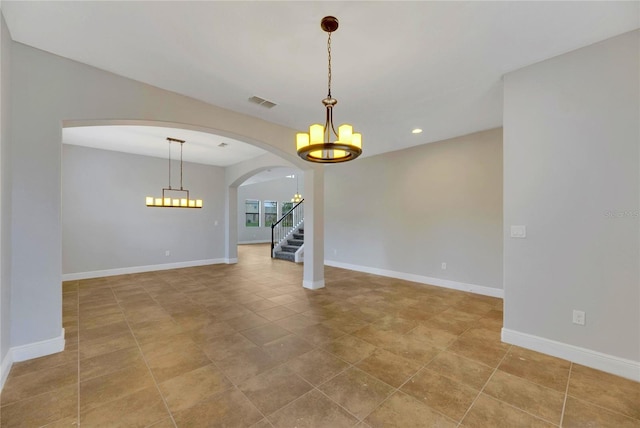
x=578, y=317
x=167, y=253
x=444, y=266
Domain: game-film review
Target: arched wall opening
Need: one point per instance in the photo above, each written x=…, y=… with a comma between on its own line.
x=49, y=93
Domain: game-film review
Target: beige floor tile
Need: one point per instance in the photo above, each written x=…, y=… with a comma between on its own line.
x=265, y=334
x=388, y=367
x=540, y=401
x=104, y=330
x=580, y=414
x=460, y=369
x=211, y=331
x=287, y=347
x=317, y=366
x=395, y=324
x=440, y=393
x=103, y=389
x=433, y=336
x=413, y=349
x=538, y=368
x=345, y=322
x=375, y=336
x=18, y=388
x=277, y=313
x=168, y=344
x=227, y=409
x=489, y=412
x=25, y=367
x=101, y=345
x=164, y=423
x=274, y=389
x=350, y=348
x=41, y=409
x=247, y=363
x=295, y=322
x=313, y=410
x=357, y=391
x=223, y=347
x=175, y=363
x=478, y=349
x=319, y=334
x=110, y=362
x=246, y=322
x=403, y=411
x=606, y=390
x=184, y=391
x=139, y=409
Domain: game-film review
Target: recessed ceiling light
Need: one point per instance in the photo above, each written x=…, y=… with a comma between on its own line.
x=416, y=131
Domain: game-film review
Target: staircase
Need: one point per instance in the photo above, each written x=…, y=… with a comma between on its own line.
x=288, y=250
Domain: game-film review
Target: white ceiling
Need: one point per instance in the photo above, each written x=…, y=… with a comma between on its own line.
x=199, y=147
x=396, y=65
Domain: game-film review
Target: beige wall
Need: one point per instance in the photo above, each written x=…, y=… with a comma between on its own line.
x=405, y=213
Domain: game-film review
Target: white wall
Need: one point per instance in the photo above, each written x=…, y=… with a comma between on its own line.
x=571, y=175
x=406, y=212
x=281, y=190
x=5, y=201
x=106, y=225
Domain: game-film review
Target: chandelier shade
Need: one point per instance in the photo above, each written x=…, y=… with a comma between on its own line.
x=173, y=197
x=322, y=144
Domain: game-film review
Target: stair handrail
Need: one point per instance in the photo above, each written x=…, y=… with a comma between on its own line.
x=273, y=226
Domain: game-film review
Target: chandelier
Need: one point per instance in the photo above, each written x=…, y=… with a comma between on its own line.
x=297, y=197
x=167, y=200
x=316, y=145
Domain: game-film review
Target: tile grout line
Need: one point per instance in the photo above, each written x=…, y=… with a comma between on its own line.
x=566, y=395
x=484, y=386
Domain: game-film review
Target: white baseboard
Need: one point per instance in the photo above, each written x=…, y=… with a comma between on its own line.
x=231, y=261
x=313, y=285
x=139, y=269
x=259, y=241
x=446, y=283
x=7, y=362
x=597, y=360
x=30, y=351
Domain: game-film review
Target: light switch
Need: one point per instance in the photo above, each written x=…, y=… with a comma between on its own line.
x=518, y=231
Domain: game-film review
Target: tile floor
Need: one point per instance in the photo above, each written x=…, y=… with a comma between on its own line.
x=246, y=345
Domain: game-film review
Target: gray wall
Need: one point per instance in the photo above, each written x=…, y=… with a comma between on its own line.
x=571, y=174
x=410, y=210
x=5, y=189
x=281, y=190
x=106, y=225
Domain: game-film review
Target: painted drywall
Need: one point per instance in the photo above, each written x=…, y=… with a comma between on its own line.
x=571, y=176
x=106, y=225
x=274, y=190
x=411, y=210
x=49, y=92
x=5, y=196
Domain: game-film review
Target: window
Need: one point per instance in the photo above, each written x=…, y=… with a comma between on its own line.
x=270, y=213
x=288, y=221
x=252, y=213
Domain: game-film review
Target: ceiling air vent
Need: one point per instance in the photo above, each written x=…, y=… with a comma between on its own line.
x=262, y=102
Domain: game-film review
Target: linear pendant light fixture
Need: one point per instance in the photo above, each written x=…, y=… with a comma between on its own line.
x=316, y=145
x=166, y=201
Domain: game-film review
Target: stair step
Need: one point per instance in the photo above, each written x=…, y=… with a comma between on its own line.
x=298, y=236
x=282, y=255
x=290, y=248
x=295, y=242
